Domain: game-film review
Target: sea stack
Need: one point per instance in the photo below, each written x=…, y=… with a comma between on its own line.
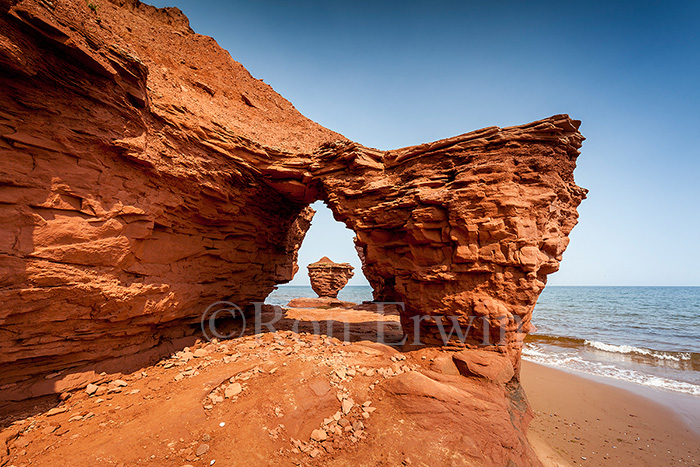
x=328, y=278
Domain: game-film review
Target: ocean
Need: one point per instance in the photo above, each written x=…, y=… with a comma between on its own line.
x=351, y=293
x=644, y=335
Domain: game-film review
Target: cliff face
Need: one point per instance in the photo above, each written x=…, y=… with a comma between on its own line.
x=146, y=175
x=130, y=193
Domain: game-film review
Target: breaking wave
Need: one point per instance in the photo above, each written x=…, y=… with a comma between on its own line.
x=572, y=360
x=628, y=349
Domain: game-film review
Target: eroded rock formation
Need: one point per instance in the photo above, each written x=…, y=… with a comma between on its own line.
x=467, y=229
x=130, y=194
x=328, y=278
x=463, y=231
x=145, y=175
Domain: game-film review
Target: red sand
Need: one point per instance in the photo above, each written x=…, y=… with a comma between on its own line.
x=579, y=421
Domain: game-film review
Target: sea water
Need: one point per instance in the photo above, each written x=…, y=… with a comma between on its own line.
x=645, y=335
x=350, y=293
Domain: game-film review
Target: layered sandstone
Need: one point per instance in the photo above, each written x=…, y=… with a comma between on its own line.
x=131, y=196
x=328, y=278
x=461, y=232
x=146, y=175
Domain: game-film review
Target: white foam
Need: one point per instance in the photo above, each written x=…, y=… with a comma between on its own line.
x=628, y=349
x=570, y=361
x=535, y=351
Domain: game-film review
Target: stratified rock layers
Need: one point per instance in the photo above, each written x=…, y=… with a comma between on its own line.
x=328, y=278
x=146, y=175
x=127, y=195
x=464, y=231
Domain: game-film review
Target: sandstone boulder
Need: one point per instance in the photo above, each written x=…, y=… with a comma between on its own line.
x=328, y=278
x=491, y=366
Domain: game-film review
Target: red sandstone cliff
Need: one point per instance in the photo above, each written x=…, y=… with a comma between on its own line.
x=130, y=188
x=145, y=174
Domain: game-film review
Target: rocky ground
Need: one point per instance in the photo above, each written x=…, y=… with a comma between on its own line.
x=289, y=397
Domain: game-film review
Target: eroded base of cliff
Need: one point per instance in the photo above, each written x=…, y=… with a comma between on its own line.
x=295, y=396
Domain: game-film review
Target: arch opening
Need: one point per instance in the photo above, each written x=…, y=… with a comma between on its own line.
x=349, y=316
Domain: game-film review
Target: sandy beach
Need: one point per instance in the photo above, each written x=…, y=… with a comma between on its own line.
x=580, y=421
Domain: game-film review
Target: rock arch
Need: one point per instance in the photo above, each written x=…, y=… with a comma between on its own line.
x=145, y=174
x=463, y=231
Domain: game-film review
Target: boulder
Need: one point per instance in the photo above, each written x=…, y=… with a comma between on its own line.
x=492, y=366
x=328, y=278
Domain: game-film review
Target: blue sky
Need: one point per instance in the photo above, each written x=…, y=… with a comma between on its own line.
x=395, y=74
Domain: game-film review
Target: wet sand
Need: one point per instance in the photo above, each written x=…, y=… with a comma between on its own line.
x=581, y=421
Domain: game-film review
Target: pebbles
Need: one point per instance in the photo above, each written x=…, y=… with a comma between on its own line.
x=50, y=429
x=202, y=449
x=347, y=405
x=56, y=411
x=186, y=373
x=215, y=399
x=335, y=374
x=233, y=390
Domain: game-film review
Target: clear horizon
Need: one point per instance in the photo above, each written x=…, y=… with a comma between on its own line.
x=391, y=75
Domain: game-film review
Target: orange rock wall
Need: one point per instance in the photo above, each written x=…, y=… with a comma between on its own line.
x=465, y=230
x=145, y=174
x=123, y=216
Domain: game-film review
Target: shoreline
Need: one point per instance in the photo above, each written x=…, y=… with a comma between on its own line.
x=581, y=420
x=686, y=406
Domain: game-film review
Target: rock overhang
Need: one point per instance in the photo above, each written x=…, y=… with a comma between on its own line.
x=169, y=180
